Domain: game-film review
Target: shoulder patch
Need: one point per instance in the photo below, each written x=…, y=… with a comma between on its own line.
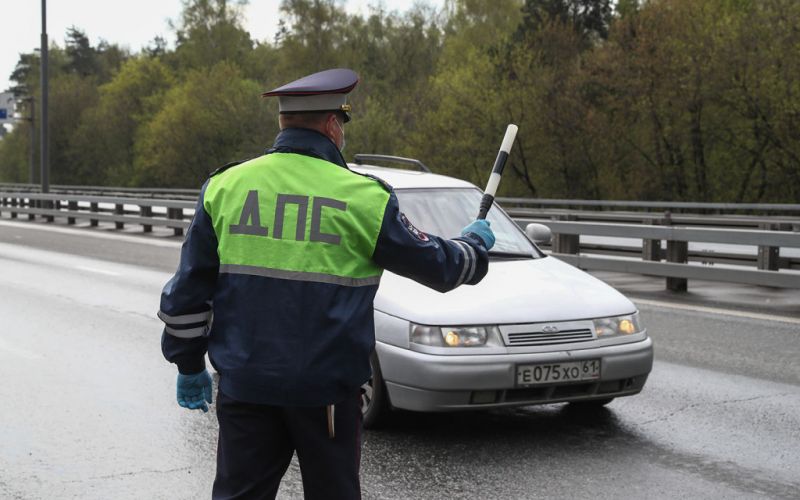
x=380, y=181
x=225, y=167
x=413, y=229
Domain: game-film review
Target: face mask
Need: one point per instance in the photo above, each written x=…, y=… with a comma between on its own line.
x=341, y=129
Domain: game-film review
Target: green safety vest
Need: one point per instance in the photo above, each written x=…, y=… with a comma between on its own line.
x=291, y=216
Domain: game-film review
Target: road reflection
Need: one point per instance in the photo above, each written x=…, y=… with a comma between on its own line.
x=510, y=451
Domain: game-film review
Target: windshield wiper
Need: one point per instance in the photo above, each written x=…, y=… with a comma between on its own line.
x=510, y=255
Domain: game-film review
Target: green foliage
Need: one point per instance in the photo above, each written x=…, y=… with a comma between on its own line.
x=104, y=140
x=699, y=80
x=25, y=74
x=210, y=31
x=656, y=99
x=70, y=97
x=311, y=35
x=212, y=117
x=81, y=54
x=589, y=18
x=14, y=150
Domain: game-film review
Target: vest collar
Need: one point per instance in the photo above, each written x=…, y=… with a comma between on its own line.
x=307, y=142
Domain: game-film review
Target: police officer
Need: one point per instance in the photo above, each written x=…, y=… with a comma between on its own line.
x=276, y=283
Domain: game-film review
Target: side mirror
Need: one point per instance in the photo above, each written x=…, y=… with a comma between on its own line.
x=539, y=233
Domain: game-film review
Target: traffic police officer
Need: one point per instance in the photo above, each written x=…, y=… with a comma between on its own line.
x=276, y=283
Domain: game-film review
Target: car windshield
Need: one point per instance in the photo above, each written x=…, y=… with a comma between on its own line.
x=444, y=212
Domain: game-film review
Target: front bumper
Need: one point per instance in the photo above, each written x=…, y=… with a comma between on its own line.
x=424, y=382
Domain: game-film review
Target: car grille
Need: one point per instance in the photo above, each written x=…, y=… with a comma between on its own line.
x=541, y=338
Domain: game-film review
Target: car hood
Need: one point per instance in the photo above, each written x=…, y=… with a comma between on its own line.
x=514, y=291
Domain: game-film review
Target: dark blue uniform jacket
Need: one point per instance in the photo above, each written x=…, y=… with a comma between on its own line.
x=295, y=343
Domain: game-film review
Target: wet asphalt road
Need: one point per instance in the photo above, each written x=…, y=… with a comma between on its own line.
x=88, y=405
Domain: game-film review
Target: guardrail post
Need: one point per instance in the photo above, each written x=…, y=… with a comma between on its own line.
x=566, y=243
x=146, y=211
x=119, y=209
x=56, y=206
x=768, y=257
x=177, y=214
x=72, y=206
x=48, y=205
x=93, y=208
x=13, y=204
x=31, y=204
x=678, y=252
x=651, y=249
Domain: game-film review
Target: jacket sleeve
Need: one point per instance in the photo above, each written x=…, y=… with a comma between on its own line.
x=186, y=298
x=433, y=261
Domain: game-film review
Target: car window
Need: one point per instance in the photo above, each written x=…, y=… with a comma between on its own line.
x=445, y=212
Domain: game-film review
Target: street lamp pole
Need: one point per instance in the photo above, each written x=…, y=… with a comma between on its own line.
x=32, y=162
x=43, y=105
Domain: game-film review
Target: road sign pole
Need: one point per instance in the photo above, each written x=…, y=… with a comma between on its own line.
x=44, y=80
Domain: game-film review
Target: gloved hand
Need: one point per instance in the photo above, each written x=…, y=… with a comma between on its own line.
x=481, y=229
x=194, y=391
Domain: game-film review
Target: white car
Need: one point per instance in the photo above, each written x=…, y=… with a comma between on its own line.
x=536, y=330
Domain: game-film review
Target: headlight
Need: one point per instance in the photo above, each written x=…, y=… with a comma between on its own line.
x=619, y=325
x=450, y=336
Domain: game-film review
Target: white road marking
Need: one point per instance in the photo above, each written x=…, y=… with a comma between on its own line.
x=98, y=271
x=93, y=234
x=716, y=310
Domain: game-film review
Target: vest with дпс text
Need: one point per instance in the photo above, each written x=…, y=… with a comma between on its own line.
x=293, y=216
x=279, y=271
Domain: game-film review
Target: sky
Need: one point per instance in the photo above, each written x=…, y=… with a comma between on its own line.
x=129, y=23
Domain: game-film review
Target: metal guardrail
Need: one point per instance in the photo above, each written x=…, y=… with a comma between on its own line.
x=787, y=223
x=161, y=193
x=171, y=208
x=510, y=204
x=677, y=268
x=147, y=212
x=766, y=208
x=768, y=226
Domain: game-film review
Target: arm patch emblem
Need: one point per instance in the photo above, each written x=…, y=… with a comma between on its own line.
x=412, y=229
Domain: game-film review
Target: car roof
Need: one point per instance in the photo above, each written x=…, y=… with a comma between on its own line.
x=410, y=179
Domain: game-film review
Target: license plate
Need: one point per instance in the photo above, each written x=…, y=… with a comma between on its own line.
x=573, y=371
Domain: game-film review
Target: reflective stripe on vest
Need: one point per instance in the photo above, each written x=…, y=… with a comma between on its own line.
x=292, y=216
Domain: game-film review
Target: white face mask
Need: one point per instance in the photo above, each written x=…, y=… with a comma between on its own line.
x=341, y=129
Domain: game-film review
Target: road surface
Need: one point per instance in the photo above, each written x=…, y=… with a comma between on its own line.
x=88, y=403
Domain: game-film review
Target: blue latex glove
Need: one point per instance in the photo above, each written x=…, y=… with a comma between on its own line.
x=194, y=391
x=481, y=229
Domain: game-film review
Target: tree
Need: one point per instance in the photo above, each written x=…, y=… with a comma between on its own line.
x=215, y=116
x=312, y=36
x=209, y=32
x=81, y=56
x=460, y=117
x=14, y=148
x=658, y=99
x=589, y=18
x=104, y=141
x=70, y=97
x=25, y=75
